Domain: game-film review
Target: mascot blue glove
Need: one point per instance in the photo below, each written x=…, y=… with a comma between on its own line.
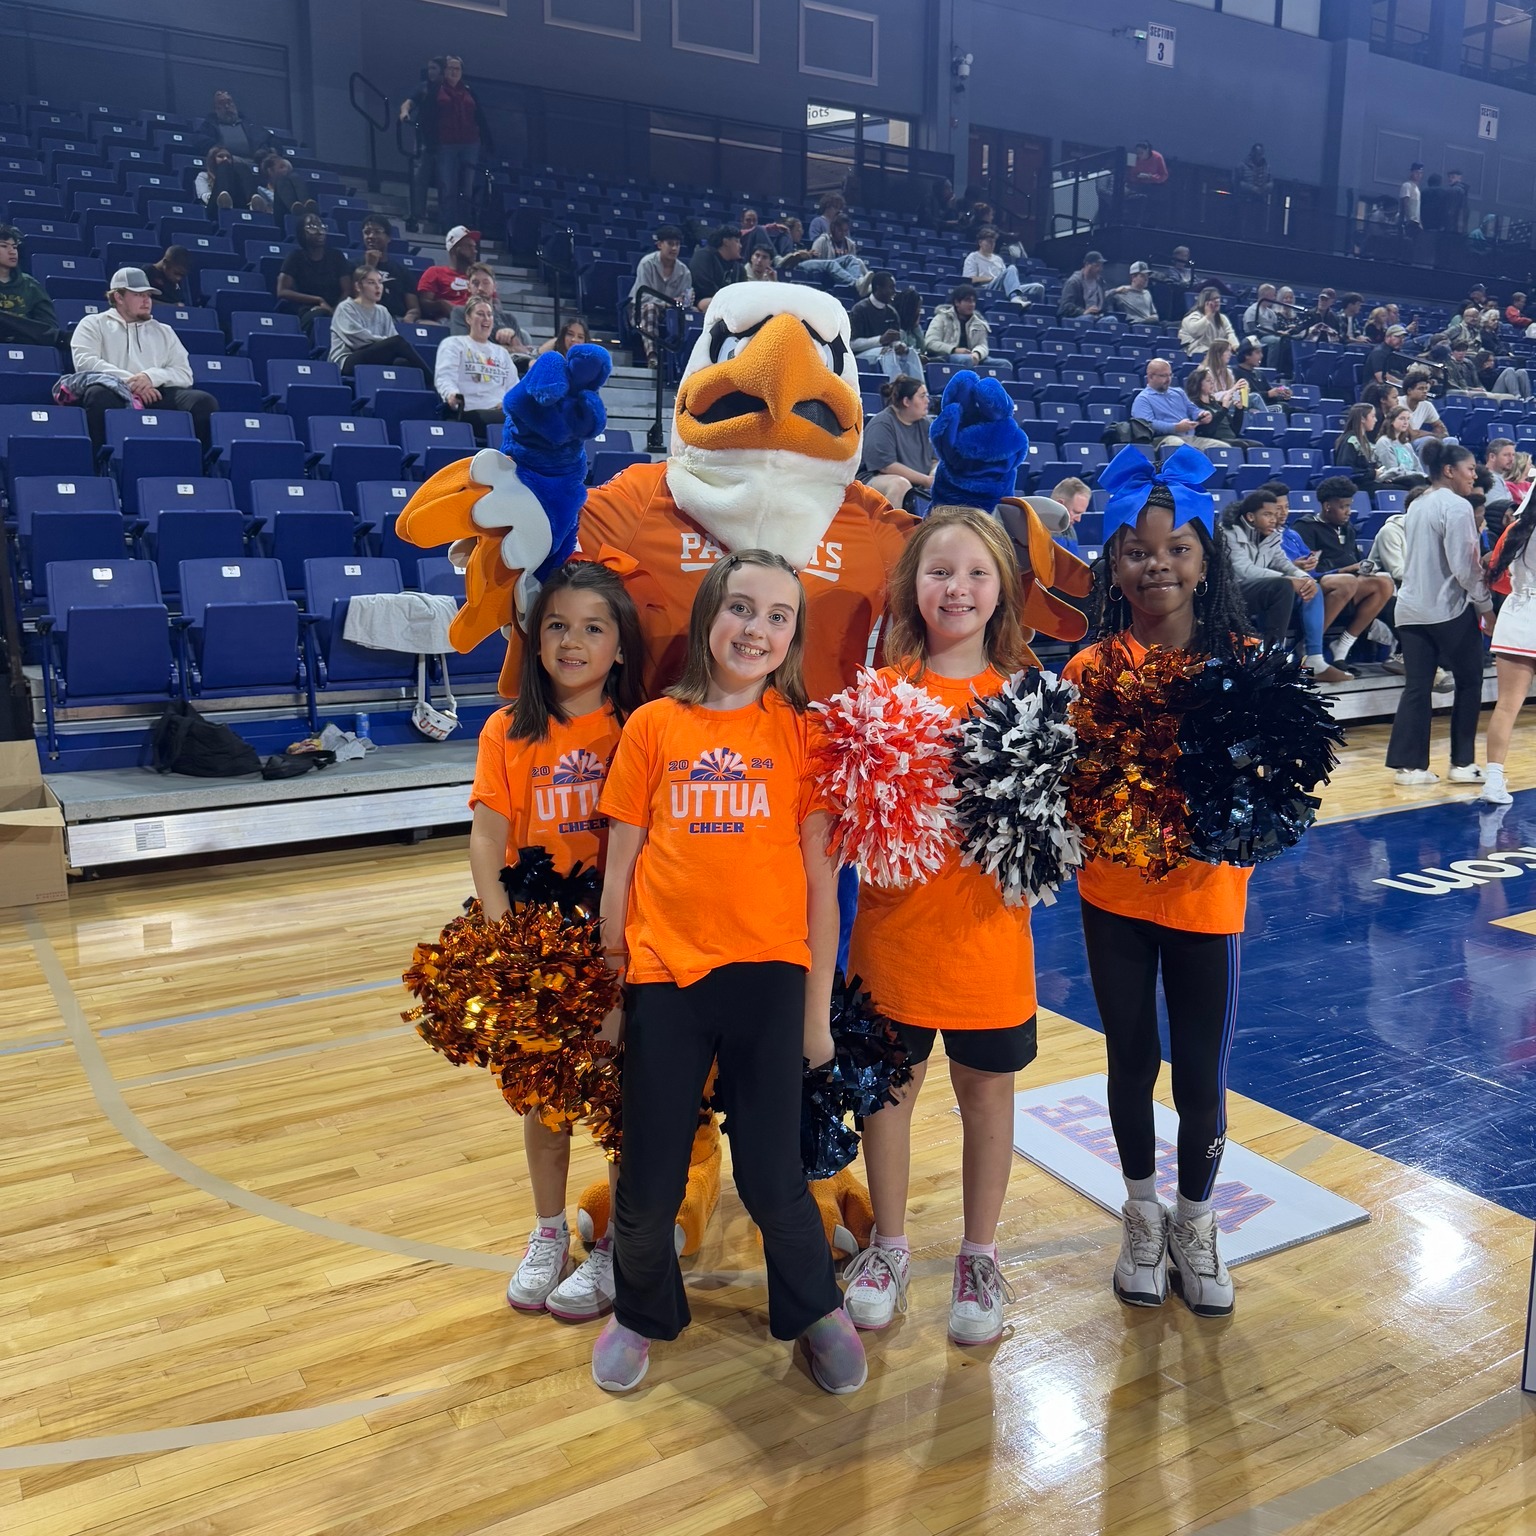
x=551, y=412
x=979, y=444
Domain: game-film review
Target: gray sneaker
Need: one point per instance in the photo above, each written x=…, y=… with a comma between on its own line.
x=1199, y=1276
x=1141, y=1271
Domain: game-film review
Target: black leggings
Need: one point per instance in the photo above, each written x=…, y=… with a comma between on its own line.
x=1200, y=972
x=752, y=1017
x=388, y=349
x=1458, y=646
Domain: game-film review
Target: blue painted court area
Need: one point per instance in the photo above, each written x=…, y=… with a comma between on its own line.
x=1401, y=1018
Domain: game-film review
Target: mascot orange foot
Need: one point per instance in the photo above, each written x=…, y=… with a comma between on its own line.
x=847, y=1217
x=592, y=1209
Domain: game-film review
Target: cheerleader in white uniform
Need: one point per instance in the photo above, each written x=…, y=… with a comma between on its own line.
x=1514, y=642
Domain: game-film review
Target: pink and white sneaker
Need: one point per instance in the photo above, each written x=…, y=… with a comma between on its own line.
x=976, y=1302
x=877, y=1286
x=546, y=1262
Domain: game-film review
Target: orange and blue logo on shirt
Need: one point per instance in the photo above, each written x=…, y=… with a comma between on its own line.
x=569, y=800
x=718, y=796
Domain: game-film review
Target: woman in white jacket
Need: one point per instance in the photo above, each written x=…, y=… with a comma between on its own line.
x=1204, y=324
x=474, y=372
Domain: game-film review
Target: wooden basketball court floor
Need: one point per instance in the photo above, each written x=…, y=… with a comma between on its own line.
x=254, y=1235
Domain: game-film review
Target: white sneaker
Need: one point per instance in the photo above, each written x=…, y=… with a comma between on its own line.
x=546, y=1263
x=1468, y=773
x=877, y=1286
x=1395, y=665
x=1495, y=790
x=1141, y=1271
x=1199, y=1276
x=587, y=1293
x=1380, y=634
x=1414, y=778
x=976, y=1300
x=1444, y=682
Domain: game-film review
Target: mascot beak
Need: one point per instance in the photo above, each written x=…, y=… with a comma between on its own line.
x=776, y=392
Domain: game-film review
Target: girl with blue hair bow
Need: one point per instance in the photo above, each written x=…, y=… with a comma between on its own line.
x=1164, y=582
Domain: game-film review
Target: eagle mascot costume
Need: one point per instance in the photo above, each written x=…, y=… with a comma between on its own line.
x=766, y=439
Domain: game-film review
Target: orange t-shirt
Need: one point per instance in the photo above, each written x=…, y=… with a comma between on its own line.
x=721, y=795
x=635, y=514
x=946, y=954
x=548, y=790
x=1199, y=898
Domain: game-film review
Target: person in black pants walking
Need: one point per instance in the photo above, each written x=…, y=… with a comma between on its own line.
x=1439, y=601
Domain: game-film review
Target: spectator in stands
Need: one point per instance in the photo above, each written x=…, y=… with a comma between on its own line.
x=1376, y=326
x=1454, y=215
x=420, y=109
x=989, y=273
x=957, y=334
x=1466, y=325
x=903, y=357
x=664, y=273
x=441, y=289
x=473, y=374
x=792, y=248
x=1477, y=295
x=872, y=323
x=1383, y=396
x=506, y=329
x=1519, y=478
x=225, y=182
x=898, y=453
x=1409, y=200
x=831, y=203
x=574, y=333
x=462, y=132
x=1514, y=311
x=1083, y=292
x=1270, y=581
x=1253, y=176
x=1262, y=318
x=1394, y=317
x=1148, y=169
x=1171, y=415
x=144, y=356
x=279, y=190
x=226, y=127
x=1383, y=363
x=946, y=213
x=1246, y=371
x=772, y=237
x=1221, y=427
x=26, y=311
x=1397, y=459
x=1074, y=495
x=1134, y=299
x=1350, y=325
x=363, y=330
x=1442, y=593
x=717, y=266
x=1509, y=381
x=1321, y=322
x=1354, y=447
x=1204, y=324
x=1334, y=540
x=836, y=253
x=1426, y=419
x=169, y=275
x=1218, y=363
x=1499, y=500
x=315, y=278
x=399, y=281
x=760, y=267
x=1460, y=374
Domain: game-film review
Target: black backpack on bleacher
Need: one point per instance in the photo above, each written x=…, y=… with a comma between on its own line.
x=182, y=741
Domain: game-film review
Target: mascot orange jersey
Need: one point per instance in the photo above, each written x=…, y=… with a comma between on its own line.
x=766, y=442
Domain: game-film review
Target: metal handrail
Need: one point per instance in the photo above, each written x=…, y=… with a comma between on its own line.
x=669, y=343
x=376, y=126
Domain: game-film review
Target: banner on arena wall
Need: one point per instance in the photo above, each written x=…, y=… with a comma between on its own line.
x=1260, y=1207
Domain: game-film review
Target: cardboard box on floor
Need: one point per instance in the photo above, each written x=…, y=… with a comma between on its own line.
x=31, y=831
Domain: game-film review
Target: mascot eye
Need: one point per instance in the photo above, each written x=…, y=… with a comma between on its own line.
x=831, y=352
x=729, y=346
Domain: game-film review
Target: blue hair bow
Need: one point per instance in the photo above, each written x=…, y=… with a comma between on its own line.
x=1130, y=476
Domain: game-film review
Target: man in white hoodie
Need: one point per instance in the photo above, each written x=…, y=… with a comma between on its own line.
x=148, y=357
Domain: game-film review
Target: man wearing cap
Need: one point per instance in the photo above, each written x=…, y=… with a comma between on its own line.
x=1320, y=323
x=1083, y=292
x=148, y=357
x=988, y=273
x=443, y=289
x=1382, y=363
x=26, y=311
x=1134, y=299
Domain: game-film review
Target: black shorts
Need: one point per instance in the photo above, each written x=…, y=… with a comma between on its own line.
x=982, y=1050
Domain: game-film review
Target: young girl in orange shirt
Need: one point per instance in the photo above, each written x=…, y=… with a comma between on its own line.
x=1165, y=582
x=947, y=954
x=720, y=908
x=538, y=774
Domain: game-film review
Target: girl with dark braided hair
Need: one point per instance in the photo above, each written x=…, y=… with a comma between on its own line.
x=1513, y=643
x=1164, y=582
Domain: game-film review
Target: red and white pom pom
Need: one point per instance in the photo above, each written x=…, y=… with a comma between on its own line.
x=884, y=764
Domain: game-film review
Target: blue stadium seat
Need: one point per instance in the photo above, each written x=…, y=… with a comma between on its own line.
x=418, y=437
x=241, y=631
x=303, y=402
x=611, y=440
x=296, y=494
x=31, y=494
x=326, y=433
x=354, y=464
x=1389, y=501
x=436, y=573
x=294, y=537
x=176, y=494
x=154, y=421
x=214, y=533
x=246, y=323
x=397, y=408
x=329, y=585
x=57, y=536
x=283, y=373
x=225, y=428
x=369, y=378
x=106, y=637
x=606, y=465
x=253, y=459
x=62, y=457
x=149, y=458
